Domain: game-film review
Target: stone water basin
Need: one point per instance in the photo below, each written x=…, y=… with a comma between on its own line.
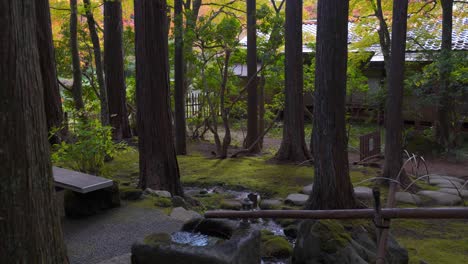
x=202, y=241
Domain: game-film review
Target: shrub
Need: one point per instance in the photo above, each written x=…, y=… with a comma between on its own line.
x=91, y=146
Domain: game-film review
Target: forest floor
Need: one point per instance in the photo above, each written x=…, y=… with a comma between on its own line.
x=431, y=241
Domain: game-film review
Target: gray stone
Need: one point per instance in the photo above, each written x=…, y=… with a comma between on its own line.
x=178, y=201
x=221, y=228
x=242, y=248
x=183, y=215
x=363, y=193
x=308, y=189
x=441, y=198
x=231, y=204
x=330, y=242
x=450, y=185
x=435, y=178
x=297, y=199
x=158, y=193
x=270, y=204
x=405, y=197
x=463, y=193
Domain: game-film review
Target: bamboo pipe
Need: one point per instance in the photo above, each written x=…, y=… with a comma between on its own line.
x=386, y=213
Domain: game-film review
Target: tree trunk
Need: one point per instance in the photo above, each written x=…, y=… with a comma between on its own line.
x=252, y=98
x=224, y=111
x=77, y=90
x=261, y=110
x=30, y=227
x=293, y=147
x=384, y=36
x=114, y=69
x=192, y=9
x=179, y=91
x=98, y=63
x=52, y=98
x=444, y=106
x=393, y=113
x=332, y=184
x=158, y=161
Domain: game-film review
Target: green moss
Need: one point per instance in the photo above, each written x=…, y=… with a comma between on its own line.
x=211, y=201
x=266, y=235
x=157, y=239
x=277, y=247
x=123, y=167
x=152, y=202
x=253, y=173
x=434, y=241
x=162, y=202
x=129, y=193
x=332, y=235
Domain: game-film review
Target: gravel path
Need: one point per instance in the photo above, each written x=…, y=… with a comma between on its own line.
x=112, y=233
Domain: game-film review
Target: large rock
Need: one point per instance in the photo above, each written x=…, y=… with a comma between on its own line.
x=408, y=198
x=463, y=193
x=158, y=193
x=363, y=193
x=276, y=247
x=243, y=247
x=212, y=227
x=183, y=215
x=329, y=241
x=79, y=205
x=270, y=204
x=297, y=199
x=441, y=198
x=308, y=189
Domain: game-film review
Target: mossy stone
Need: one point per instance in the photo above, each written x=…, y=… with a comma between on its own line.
x=332, y=234
x=130, y=193
x=157, y=239
x=277, y=247
x=266, y=235
x=162, y=202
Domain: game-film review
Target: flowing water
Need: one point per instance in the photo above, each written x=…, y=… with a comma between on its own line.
x=194, y=239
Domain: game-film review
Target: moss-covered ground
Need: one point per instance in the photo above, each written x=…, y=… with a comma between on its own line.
x=435, y=241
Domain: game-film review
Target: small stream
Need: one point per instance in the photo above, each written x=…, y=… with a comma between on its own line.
x=258, y=224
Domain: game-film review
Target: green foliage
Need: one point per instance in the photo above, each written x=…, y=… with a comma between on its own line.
x=92, y=145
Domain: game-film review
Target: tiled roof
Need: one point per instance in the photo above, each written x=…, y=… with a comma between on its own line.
x=433, y=32
x=459, y=36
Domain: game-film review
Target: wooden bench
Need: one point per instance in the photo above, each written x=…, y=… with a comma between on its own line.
x=79, y=182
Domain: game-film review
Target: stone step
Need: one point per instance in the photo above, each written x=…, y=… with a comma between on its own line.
x=441, y=198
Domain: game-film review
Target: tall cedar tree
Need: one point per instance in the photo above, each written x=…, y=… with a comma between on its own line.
x=252, y=98
x=444, y=109
x=77, y=90
x=293, y=147
x=332, y=185
x=52, y=99
x=191, y=11
x=97, y=62
x=114, y=69
x=30, y=226
x=179, y=91
x=158, y=161
x=393, y=113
